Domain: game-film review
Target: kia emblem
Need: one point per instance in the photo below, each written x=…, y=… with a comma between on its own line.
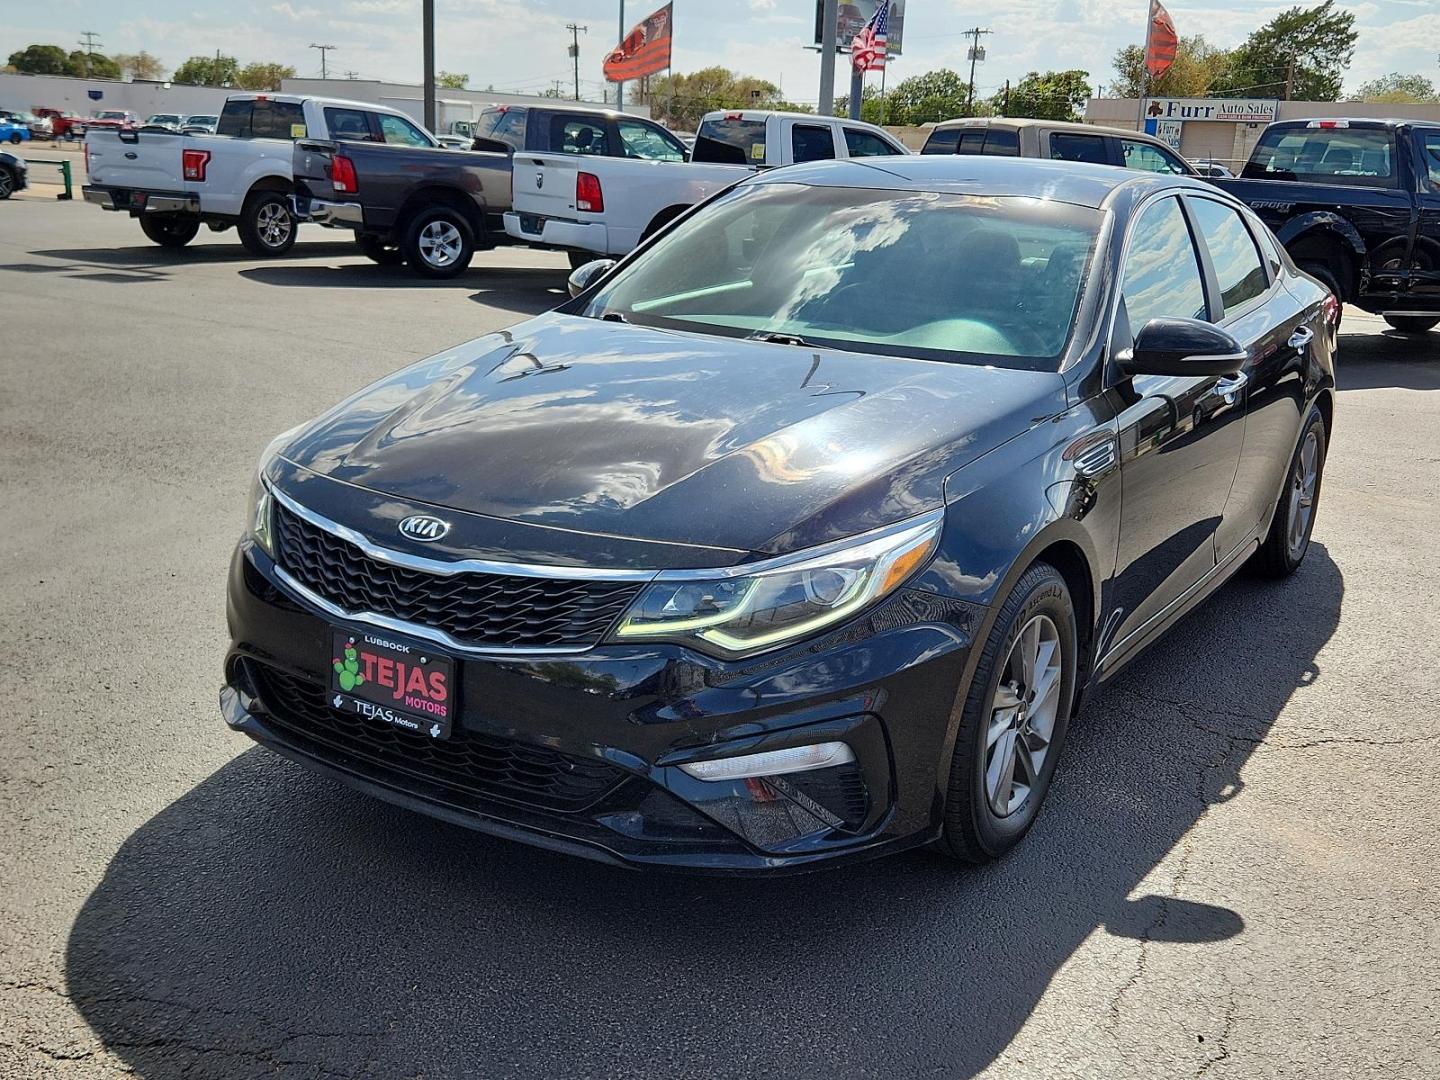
x=424, y=528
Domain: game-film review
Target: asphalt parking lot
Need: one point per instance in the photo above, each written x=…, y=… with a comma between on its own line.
x=1235, y=876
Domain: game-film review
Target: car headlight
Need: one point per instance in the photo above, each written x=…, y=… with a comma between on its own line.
x=743, y=610
x=262, y=500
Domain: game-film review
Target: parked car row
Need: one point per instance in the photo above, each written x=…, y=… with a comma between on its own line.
x=1355, y=202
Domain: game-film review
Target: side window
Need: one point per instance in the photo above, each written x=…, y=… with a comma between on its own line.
x=1002, y=142
x=277, y=120
x=510, y=128
x=1067, y=146
x=1430, y=159
x=866, y=144
x=349, y=124
x=1232, y=251
x=1162, y=276
x=810, y=143
x=397, y=131
x=643, y=141
x=573, y=135
x=942, y=141
x=1150, y=158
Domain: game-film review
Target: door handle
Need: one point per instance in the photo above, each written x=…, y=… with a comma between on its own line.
x=1228, y=388
x=1302, y=338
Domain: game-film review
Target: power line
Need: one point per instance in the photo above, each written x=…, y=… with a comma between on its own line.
x=323, y=50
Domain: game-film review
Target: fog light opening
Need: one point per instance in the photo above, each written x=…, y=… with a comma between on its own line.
x=772, y=762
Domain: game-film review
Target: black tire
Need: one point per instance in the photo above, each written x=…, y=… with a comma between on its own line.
x=438, y=242
x=267, y=225
x=378, y=252
x=1412, y=324
x=1326, y=275
x=169, y=231
x=7, y=182
x=1283, y=551
x=14, y=138
x=974, y=831
x=580, y=258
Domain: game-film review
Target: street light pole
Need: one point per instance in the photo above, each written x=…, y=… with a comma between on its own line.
x=427, y=16
x=828, y=15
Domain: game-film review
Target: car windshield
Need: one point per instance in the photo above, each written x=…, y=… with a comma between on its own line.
x=939, y=276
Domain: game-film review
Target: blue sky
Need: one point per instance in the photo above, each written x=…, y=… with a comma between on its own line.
x=520, y=44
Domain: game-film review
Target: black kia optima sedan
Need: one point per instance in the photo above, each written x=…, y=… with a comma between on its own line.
x=799, y=534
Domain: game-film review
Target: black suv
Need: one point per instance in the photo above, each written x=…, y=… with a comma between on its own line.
x=551, y=130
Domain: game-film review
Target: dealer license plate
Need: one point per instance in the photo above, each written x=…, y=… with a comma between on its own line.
x=398, y=682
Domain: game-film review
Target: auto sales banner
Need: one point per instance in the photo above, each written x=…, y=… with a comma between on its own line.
x=645, y=50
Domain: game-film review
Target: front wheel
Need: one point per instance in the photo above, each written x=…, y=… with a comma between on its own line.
x=1412, y=324
x=266, y=225
x=169, y=231
x=1013, y=721
x=1289, y=538
x=438, y=242
x=15, y=138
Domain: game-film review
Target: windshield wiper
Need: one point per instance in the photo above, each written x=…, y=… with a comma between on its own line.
x=777, y=338
x=613, y=316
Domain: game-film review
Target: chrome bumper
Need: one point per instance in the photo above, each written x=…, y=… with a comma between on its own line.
x=150, y=203
x=323, y=212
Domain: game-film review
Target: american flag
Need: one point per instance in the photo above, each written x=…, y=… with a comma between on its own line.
x=867, y=48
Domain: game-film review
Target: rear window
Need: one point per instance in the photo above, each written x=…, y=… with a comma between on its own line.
x=262, y=120
x=942, y=141
x=993, y=141
x=1359, y=157
x=730, y=142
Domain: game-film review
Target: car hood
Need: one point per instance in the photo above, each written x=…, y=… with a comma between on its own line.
x=610, y=428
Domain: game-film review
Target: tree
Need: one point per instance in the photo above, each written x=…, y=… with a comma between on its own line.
x=682, y=99
x=263, y=76
x=452, y=80
x=40, y=60
x=1048, y=95
x=208, y=71
x=936, y=95
x=1397, y=89
x=1197, y=68
x=1311, y=47
x=88, y=65
x=139, y=65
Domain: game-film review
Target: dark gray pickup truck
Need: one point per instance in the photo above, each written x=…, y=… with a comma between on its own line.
x=410, y=201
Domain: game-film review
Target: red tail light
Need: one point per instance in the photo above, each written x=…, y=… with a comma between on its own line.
x=193, y=164
x=342, y=175
x=588, y=195
x=1331, y=308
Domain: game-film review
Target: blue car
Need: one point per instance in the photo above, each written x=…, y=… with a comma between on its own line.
x=13, y=131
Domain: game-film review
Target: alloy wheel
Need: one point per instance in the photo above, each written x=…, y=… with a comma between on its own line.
x=440, y=243
x=1022, y=716
x=1302, y=493
x=5, y=184
x=273, y=224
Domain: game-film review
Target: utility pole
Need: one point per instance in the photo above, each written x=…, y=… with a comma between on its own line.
x=427, y=18
x=976, y=53
x=620, y=86
x=324, y=71
x=89, y=43
x=575, y=32
x=828, y=32
x=1289, y=81
x=1005, y=109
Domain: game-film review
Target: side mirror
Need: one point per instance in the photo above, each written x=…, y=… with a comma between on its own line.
x=582, y=277
x=1182, y=347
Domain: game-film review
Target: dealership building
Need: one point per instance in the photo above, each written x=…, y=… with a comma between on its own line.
x=1227, y=129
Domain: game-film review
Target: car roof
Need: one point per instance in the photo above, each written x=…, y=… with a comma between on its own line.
x=1074, y=182
x=1357, y=122
x=561, y=105
x=1054, y=125
x=765, y=114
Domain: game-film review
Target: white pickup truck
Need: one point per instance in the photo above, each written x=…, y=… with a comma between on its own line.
x=591, y=205
x=239, y=176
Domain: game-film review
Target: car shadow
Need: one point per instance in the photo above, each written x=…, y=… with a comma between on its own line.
x=529, y=290
x=1391, y=359
x=149, y=256
x=273, y=922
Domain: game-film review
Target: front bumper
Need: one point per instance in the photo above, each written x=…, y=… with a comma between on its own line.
x=142, y=202
x=552, y=232
x=582, y=753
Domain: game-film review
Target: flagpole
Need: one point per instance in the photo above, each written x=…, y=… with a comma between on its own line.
x=1144, y=65
x=620, y=86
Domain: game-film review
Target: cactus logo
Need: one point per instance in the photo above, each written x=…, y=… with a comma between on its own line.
x=347, y=668
x=424, y=528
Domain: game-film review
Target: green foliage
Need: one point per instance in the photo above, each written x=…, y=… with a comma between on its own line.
x=452, y=80
x=1047, y=95
x=140, y=65
x=41, y=60
x=91, y=65
x=208, y=71
x=1198, y=67
x=1313, y=45
x=263, y=76
x=934, y=96
x=1398, y=89
x=680, y=101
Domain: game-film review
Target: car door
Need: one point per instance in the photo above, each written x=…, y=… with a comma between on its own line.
x=1425, y=260
x=1180, y=436
x=1279, y=333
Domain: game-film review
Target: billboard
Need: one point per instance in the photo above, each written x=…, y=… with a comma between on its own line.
x=1231, y=110
x=851, y=17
